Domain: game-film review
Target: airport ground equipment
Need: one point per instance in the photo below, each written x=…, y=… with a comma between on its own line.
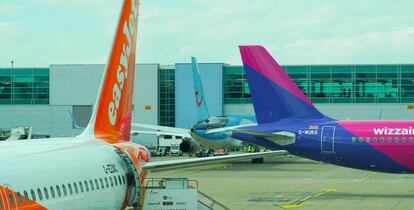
x=16, y=133
x=161, y=151
x=204, y=152
x=175, y=150
x=177, y=193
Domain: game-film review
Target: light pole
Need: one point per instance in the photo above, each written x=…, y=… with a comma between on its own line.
x=12, y=81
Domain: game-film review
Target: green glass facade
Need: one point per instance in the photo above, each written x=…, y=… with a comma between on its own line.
x=24, y=86
x=235, y=87
x=335, y=83
x=167, y=96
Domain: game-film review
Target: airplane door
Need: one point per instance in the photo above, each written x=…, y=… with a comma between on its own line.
x=328, y=139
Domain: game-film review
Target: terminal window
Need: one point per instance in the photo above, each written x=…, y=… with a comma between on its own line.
x=24, y=86
x=334, y=83
x=167, y=97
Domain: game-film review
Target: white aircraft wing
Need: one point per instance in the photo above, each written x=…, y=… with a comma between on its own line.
x=194, y=162
x=158, y=133
x=230, y=128
x=159, y=130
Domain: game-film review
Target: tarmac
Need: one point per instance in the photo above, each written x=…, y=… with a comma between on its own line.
x=295, y=183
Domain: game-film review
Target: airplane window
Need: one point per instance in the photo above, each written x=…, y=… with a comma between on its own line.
x=92, y=188
x=396, y=139
x=410, y=139
x=123, y=179
x=360, y=139
x=70, y=189
x=11, y=200
x=389, y=140
x=116, y=181
x=119, y=180
x=367, y=139
x=46, y=193
x=101, y=181
x=403, y=139
x=19, y=198
x=33, y=195
x=382, y=139
x=26, y=196
x=58, y=190
x=96, y=184
x=111, y=181
x=52, y=192
x=64, y=190
x=81, y=187
x=375, y=139
x=106, y=182
x=86, y=186
x=76, y=187
x=39, y=193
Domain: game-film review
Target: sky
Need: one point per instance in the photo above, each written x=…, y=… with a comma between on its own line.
x=37, y=33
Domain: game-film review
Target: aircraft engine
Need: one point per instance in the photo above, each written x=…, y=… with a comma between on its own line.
x=190, y=146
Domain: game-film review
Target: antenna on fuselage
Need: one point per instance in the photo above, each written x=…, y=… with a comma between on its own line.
x=380, y=115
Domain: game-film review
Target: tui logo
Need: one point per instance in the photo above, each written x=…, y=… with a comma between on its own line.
x=198, y=101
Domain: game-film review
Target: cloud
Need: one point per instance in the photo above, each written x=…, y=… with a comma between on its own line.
x=316, y=32
x=102, y=60
x=97, y=5
x=62, y=2
x=378, y=47
x=351, y=31
x=8, y=28
x=10, y=9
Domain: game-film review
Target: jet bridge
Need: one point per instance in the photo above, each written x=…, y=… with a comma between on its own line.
x=177, y=193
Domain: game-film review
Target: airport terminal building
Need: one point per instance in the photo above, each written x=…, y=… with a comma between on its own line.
x=163, y=94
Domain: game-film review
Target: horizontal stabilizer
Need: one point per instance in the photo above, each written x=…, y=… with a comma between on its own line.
x=230, y=128
x=195, y=162
x=281, y=138
x=159, y=133
x=159, y=130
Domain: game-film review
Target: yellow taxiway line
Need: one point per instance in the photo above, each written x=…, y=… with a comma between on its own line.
x=365, y=177
x=298, y=203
